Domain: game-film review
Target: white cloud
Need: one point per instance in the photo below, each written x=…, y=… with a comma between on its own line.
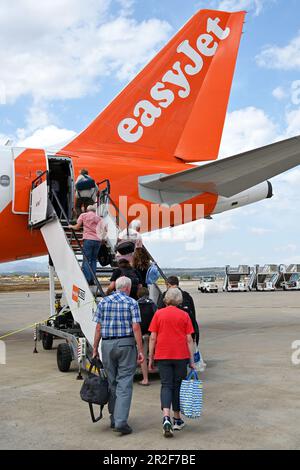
x=246, y=129
x=285, y=203
x=219, y=225
x=190, y=238
x=251, y=127
x=38, y=117
x=293, y=123
x=59, y=49
x=48, y=136
x=260, y=230
x=295, y=92
x=41, y=128
x=256, y=6
x=126, y=6
x=279, y=93
x=235, y=5
x=292, y=178
x=285, y=58
x=290, y=247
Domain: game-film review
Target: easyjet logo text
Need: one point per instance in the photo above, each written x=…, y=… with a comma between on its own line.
x=145, y=112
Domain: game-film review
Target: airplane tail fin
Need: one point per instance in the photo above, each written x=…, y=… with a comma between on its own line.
x=176, y=106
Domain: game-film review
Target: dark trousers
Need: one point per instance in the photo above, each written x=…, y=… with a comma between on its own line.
x=82, y=201
x=91, y=249
x=172, y=372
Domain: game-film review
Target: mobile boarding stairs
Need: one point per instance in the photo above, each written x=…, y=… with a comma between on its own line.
x=266, y=278
x=290, y=277
x=236, y=278
x=72, y=311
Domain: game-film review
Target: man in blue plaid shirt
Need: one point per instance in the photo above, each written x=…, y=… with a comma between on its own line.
x=118, y=324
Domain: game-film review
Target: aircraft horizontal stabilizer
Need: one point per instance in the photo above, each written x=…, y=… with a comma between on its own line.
x=225, y=177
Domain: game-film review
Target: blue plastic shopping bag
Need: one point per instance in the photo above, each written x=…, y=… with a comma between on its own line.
x=191, y=396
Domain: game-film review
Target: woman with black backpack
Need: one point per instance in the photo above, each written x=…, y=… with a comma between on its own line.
x=125, y=269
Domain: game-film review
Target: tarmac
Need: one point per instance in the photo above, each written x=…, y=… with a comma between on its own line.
x=251, y=387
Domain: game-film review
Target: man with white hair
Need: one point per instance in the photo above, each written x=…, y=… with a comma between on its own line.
x=118, y=325
x=132, y=233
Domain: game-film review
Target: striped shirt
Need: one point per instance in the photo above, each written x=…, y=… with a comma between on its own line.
x=116, y=313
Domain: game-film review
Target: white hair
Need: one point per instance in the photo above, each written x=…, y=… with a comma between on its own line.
x=123, y=283
x=135, y=225
x=91, y=208
x=173, y=296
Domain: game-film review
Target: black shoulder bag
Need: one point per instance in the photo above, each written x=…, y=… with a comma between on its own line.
x=94, y=389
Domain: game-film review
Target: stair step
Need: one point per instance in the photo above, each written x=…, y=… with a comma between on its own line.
x=104, y=271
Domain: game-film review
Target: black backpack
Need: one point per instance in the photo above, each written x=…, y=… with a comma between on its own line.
x=85, y=183
x=147, y=309
x=135, y=280
x=95, y=389
x=104, y=256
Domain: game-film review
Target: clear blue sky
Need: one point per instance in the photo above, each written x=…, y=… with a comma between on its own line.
x=63, y=61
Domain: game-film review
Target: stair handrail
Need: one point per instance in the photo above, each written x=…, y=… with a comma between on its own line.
x=127, y=225
x=98, y=285
x=122, y=216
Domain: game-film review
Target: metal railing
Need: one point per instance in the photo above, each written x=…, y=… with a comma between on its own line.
x=96, y=281
x=104, y=197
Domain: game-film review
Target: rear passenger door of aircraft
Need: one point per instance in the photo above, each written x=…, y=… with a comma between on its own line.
x=28, y=164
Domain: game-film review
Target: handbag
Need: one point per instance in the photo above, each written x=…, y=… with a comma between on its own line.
x=191, y=396
x=104, y=255
x=125, y=247
x=94, y=389
x=152, y=274
x=200, y=365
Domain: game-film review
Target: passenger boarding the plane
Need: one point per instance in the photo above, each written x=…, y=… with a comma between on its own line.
x=125, y=269
x=91, y=242
x=129, y=239
x=86, y=190
x=132, y=233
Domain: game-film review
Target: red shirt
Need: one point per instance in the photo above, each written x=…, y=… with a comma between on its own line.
x=172, y=325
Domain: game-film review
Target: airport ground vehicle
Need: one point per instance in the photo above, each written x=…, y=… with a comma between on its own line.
x=265, y=278
x=291, y=277
x=293, y=283
x=208, y=284
x=236, y=278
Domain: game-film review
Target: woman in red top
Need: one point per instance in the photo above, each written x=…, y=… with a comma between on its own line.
x=171, y=339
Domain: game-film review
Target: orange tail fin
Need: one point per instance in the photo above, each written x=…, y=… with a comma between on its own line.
x=176, y=106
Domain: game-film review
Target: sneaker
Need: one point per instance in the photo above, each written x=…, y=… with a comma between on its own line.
x=178, y=424
x=167, y=427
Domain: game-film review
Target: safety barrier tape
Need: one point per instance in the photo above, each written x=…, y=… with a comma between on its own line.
x=36, y=323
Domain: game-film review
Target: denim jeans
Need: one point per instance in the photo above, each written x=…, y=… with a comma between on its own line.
x=91, y=249
x=172, y=372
